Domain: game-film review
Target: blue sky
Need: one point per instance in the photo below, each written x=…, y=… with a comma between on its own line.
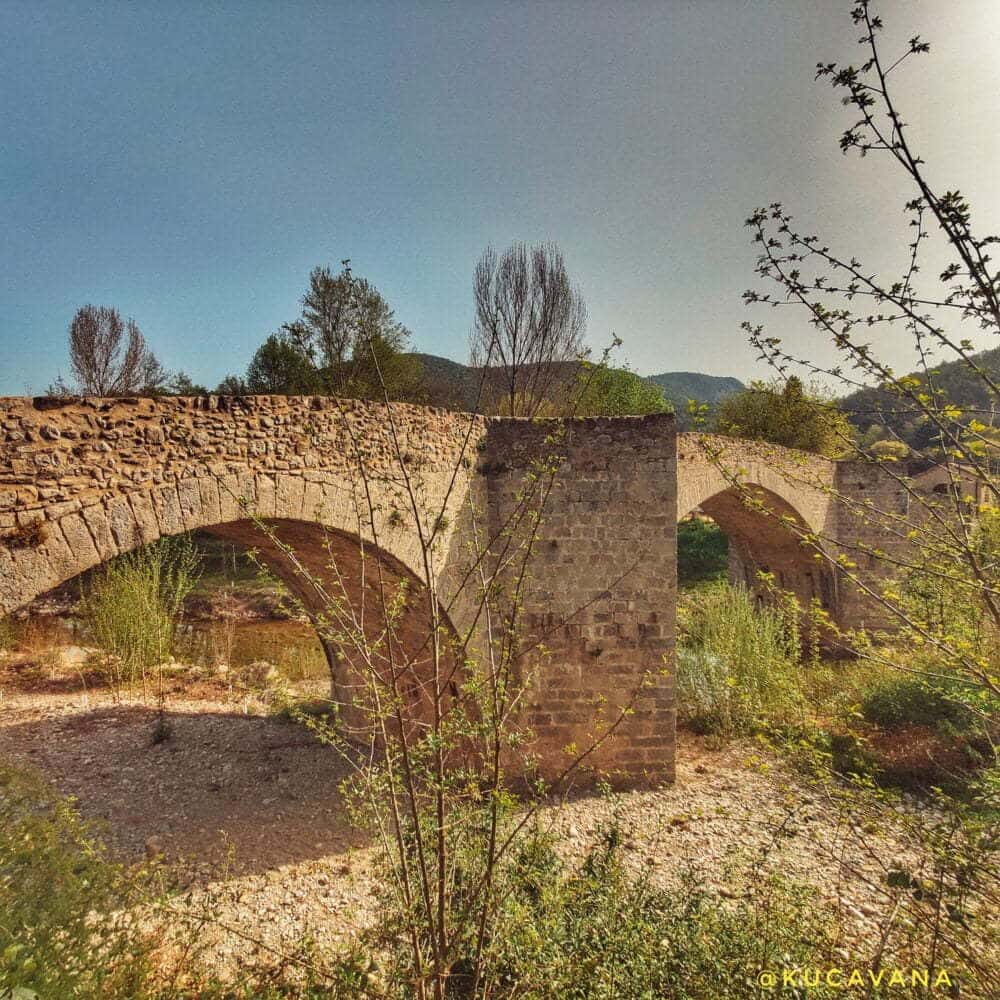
x=190, y=162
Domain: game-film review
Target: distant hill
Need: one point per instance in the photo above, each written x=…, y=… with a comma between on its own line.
x=455, y=385
x=875, y=409
x=449, y=383
x=679, y=387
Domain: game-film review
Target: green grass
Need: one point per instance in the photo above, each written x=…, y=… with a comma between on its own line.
x=9, y=633
x=132, y=605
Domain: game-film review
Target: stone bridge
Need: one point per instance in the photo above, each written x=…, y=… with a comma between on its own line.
x=83, y=480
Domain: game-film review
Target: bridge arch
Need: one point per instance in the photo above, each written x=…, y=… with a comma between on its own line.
x=764, y=541
x=87, y=480
x=344, y=584
x=84, y=480
x=341, y=580
x=778, y=496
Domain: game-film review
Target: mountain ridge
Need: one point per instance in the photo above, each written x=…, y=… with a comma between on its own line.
x=452, y=383
x=880, y=413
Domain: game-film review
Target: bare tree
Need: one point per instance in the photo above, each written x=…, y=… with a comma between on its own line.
x=529, y=324
x=946, y=539
x=109, y=356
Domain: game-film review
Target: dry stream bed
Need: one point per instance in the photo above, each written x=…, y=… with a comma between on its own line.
x=243, y=808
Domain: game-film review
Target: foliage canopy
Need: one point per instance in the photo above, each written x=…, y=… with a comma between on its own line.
x=786, y=414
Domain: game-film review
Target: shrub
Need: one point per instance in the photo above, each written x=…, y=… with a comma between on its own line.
x=593, y=931
x=786, y=412
x=132, y=606
x=702, y=551
x=737, y=663
x=617, y=392
x=891, y=450
x=904, y=700
x=8, y=634
x=62, y=933
x=77, y=925
x=850, y=755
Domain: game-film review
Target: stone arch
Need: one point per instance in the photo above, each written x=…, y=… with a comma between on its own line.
x=56, y=545
x=319, y=516
x=791, y=487
x=345, y=584
x=764, y=541
x=84, y=479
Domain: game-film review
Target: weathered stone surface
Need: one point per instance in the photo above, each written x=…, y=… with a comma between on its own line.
x=601, y=592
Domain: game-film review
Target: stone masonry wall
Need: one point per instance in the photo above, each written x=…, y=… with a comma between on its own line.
x=868, y=486
x=84, y=479
x=601, y=591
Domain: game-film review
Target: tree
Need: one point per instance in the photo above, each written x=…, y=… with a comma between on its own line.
x=344, y=327
x=110, y=357
x=786, y=414
x=617, y=392
x=280, y=367
x=930, y=585
x=378, y=367
x=180, y=384
x=232, y=385
x=345, y=331
x=529, y=326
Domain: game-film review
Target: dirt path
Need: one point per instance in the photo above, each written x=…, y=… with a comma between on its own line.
x=223, y=779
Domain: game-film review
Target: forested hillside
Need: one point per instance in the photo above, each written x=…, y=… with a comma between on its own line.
x=878, y=413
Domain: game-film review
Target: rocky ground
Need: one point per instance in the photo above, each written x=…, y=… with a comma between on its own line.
x=244, y=809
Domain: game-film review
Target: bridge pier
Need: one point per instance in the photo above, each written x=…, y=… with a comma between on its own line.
x=601, y=592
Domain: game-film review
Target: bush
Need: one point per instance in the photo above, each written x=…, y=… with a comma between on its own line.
x=903, y=700
x=616, y=392
x=702, y=551
x=737, y=663
x=77, y=925
x=787, y=413
x=594, y=931
x=8, y=634
x=891, y=450
x=132, y=606
x=63, y=933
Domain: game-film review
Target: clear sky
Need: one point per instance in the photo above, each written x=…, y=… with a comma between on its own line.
x=189, y=161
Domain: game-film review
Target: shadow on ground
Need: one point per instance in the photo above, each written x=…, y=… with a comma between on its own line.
x=264, y=786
